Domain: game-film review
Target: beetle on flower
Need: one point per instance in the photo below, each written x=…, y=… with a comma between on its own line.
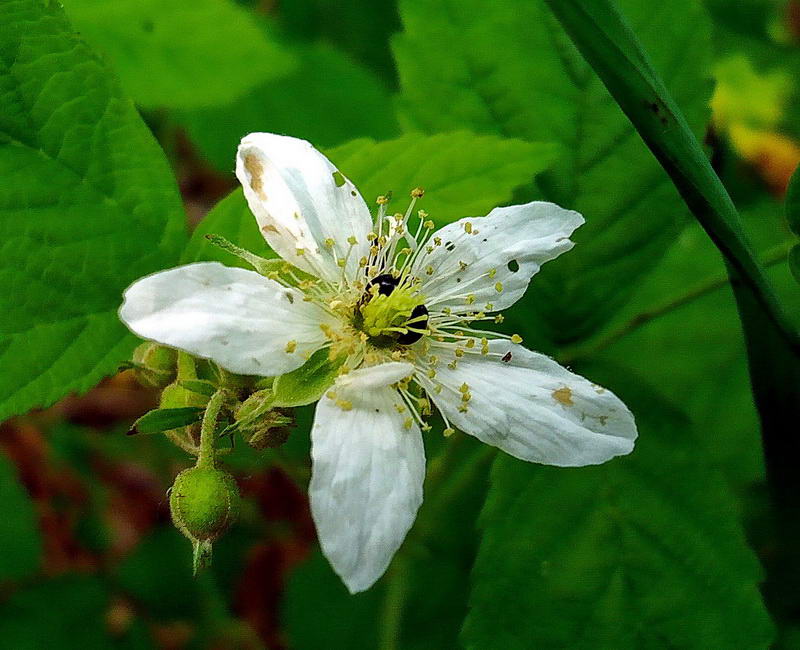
x=398, y=307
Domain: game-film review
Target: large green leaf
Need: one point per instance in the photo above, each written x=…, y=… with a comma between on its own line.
x=508, y=68
x=181, y=54
x=773, y=341
x=87, y=205
x=694, y=352
x=456, y=184
x=645, y=551
x=19, y=532
x=328, y=99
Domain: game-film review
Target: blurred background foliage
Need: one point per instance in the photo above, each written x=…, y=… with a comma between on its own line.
x=482, y=104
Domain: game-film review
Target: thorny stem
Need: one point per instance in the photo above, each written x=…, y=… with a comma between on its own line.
x=771, y=258
x=208, y=429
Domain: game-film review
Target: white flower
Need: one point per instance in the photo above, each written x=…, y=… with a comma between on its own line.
x=398, y=303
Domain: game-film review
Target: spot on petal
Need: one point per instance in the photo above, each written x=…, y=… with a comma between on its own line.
x=563, y=396
x=256, y=170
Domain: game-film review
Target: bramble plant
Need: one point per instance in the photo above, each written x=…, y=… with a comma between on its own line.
x=347, y=326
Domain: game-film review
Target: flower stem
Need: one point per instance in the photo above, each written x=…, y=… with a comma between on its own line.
x=208, y=429
x=393, y=602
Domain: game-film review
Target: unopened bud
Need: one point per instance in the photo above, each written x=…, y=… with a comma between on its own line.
x=264, y=427
x=204, y=502
x=154, y=365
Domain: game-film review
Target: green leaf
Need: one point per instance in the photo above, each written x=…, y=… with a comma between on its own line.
x=507, y=68
x=198, y=386
x=19, y=530
x=645, y=551
x=773, y=341
x=63, y=614
x=178, y=54
x=328, y=99
x=88, y=204
x=694, y=353
x=455, y=185
x=308, y=383
x=159, y=420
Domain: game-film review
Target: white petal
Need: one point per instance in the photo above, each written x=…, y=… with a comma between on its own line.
x=300, y=200
x=532, y=408
x=237, y=318
x=366, y=482
x=522, y=237
x=379, y=376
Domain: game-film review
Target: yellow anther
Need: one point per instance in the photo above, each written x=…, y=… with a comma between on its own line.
x=417, y=193
x=362, y=262
x=400, y=408
x=470, y=299
x=329, y=243
x=462, y=408
x=437, y=241
x=341, y=263
x=382, y=200
x=463, y=388
x=448, y=432
x=408, y=423
x=422, y=214
x=467, y=227
x=330, y=394
x=459, y=352
x=429, y=270
x=462, y=265
x=397, y=355
x=291, y=346
x=437, y=389
x=499, y=318
x=344, y=404
x=428, y=224
x=398, y=216
x=300, y=251
x=352, y=240
x=466, y=397
x=516, y=338
x=489, y=306
x=492, y=273
x=371, y=236
x=470, y=344
x=452, y=365
x=498, y=287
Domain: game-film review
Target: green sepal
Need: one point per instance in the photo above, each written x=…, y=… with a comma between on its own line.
x=308, y=383
x=159, y=420
x=198, y=386
x=271, y=268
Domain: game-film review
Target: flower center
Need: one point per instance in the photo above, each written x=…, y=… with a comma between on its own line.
x=392, y=312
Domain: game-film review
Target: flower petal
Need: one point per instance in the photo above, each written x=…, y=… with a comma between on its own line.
x=530, y=407
x=300, y=201
x=238, y=318
x=493, y=258
x=366, y=483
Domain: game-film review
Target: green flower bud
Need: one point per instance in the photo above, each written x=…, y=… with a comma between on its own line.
x=204, y=501
x=262, y=426
x=154, y=365
x=176, y=396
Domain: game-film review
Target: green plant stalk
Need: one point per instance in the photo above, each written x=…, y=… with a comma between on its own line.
x=208, y=430
x=773, y=344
